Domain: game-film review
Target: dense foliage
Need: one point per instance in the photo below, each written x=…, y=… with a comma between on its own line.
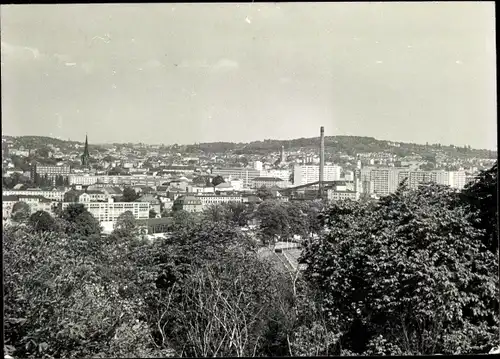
x=409, y=275
x=415, y=273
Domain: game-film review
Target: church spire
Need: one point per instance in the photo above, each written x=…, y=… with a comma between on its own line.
x=86, y=155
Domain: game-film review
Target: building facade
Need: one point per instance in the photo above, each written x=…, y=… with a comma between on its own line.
x=304, y=174
x=50, y=171
x=210, y=199
x=54, y=195
x=188, y=204
x=386, y=180
x=268, y=182
x=244, y=174
x=110, y=211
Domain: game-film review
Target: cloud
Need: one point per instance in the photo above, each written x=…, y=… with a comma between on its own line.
x=225, y=64
x=20, y=51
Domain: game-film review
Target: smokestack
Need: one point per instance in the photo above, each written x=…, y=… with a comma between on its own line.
x=321, y=160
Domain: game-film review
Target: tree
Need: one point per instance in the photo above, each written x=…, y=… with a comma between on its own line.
x=152, y=213
x=20, y=211
x=217, y=180
x=405, y=276
x=42, y=221
x=274, y=221
x=72, y=196
x=215, y=213
x=264, y=193
x=129, y=195
x=224, y=300
x=72, y=298
x=480, y=197
x=126, y=225
x=237, y=213
x=79, y=221
x=183, y=220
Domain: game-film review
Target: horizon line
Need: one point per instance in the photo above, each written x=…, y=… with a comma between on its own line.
x=248, y=142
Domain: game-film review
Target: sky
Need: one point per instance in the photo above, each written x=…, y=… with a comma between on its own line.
x=189, y=73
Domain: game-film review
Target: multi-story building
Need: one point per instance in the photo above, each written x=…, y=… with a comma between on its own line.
x=93, y=196
x=51, y=171
x=37, y=203
x=188, y=204
x=304, y=174
x=284, y=174
x=210, y=199
x=386, y=180
x=110, y=211
x=244, y=174
x=85, y=180
x=268, y=182
x=338, y=195
x=54, y=194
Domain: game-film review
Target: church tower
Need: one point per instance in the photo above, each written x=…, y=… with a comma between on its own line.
x=85, y=156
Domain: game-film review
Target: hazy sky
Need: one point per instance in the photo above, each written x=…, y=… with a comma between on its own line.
x=185, y=73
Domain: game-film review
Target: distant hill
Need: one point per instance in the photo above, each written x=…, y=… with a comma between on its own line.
x=350, y=145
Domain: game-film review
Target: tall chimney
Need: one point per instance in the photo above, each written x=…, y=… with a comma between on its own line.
x=321, y=160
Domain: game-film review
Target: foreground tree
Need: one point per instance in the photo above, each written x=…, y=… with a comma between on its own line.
x=66, y=298
x=215, y=297
x=79, y=221
x=42, y=221
x=274, y=221
x=20, y=211
x=481, y=197
x=216, y=213
x=406, y=276
x=126, y=225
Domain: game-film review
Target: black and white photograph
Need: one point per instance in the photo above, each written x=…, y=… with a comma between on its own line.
x=249, y=179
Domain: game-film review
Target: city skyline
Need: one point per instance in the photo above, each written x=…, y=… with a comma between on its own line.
x=421, y=72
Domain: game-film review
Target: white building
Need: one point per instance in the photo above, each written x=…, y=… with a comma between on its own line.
x=284, y=174
x=210, y=199
x=54, y=194
x=244, y=174
x=93, y=196
x=85, y=180
x=236, y=184
x=257, y=165
x=304, y=174
x=110, y=211
x=338, y=195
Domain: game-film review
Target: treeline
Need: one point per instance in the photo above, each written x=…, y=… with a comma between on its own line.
x=350, y=145
x=415, y=273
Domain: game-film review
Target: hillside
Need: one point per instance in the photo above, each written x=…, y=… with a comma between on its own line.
x=349, y=145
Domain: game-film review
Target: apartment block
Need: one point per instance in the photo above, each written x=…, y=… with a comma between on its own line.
x=304, y=174
x=54, y=195
x=244, y=174
x=210, y=199
x=268, y=182
x=51, y=171
x=283, y=174
x=110, y=211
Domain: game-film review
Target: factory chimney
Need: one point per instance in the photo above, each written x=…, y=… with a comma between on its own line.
x=321, y=160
